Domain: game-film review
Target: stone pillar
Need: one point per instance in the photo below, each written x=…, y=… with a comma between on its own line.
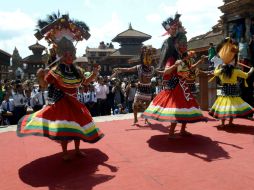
x=208, y=91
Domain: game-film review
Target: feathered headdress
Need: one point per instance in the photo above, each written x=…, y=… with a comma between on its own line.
x=171, y=21
x=57, y=26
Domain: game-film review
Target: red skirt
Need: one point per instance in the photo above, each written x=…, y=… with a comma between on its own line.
x=175, y=105
x=67, y=119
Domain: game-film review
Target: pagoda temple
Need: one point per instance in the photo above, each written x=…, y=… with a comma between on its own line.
x=36, y=60
x=130, y=41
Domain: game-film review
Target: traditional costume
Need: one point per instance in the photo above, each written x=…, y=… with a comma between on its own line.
x=145, y=72
x=64, y=117
x=191, y=73
x=229, y=104
x=175, y=103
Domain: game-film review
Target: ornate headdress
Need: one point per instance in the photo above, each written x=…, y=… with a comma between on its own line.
x=147, y=55
x=57, y=26
x=60, y=31
x=228, y=50
x=173, y=22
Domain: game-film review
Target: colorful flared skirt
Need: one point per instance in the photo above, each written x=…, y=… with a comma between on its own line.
x=230, y=107
x=67, y=119
x=174, y=105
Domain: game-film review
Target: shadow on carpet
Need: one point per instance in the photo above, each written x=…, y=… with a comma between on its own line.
x=79, y=173
x=157, y=126
x=197, y=145
x=237, y=128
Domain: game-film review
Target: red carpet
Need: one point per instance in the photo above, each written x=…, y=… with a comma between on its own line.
x=133, y=158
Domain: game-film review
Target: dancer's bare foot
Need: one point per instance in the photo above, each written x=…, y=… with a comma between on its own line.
x=66, y=157
x=250, y=118
x=147, y=122
x=232, y=125
x=173, y=136
x=80, y=153
x=220, y=127
x=185, y=134
x=135, y=122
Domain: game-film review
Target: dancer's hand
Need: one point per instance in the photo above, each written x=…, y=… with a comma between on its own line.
x=179, y=62
x=116, y=70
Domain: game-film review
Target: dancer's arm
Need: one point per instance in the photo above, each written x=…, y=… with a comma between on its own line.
x=159, y=72
x=125, y=70
x=169, y=69
x=201, y=61
x=244, y=75
x=93, y=76
x=251, y=71
x=217, y=71
x=41, y=76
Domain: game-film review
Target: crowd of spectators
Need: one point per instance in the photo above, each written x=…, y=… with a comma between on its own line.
x=105, y=96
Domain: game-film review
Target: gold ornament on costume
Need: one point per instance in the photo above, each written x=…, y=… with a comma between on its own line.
x=184, y=69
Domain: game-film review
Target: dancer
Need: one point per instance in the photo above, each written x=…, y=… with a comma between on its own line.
x=145, y=72
x=229, y=104
x=64, y=118
x=175, y=103
x=189, y=70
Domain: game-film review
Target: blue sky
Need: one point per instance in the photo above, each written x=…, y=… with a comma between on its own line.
x=106, y=19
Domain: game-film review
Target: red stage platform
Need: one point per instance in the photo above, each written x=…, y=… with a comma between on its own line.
x=133, y=158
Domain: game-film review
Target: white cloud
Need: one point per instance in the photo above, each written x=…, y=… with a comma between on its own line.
x=21, y=42
x=15, y=21
x=87, y=3
x=23, y=35
x=16, y=30
x=198, y=17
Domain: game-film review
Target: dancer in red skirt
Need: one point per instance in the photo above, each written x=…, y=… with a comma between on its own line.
x=175, y=103
x=64, y=118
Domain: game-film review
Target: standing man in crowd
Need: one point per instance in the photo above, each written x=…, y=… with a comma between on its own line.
x=211, y=54
x=7, y=110
x=91, y=100
x=39, y=99
x=101, y=90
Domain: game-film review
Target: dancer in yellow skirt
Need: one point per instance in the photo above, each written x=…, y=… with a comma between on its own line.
x=229, y=104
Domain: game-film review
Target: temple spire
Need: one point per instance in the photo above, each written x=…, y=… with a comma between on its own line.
x=130, y=27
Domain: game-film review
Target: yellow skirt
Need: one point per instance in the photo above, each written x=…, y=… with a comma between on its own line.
x=230, y=107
